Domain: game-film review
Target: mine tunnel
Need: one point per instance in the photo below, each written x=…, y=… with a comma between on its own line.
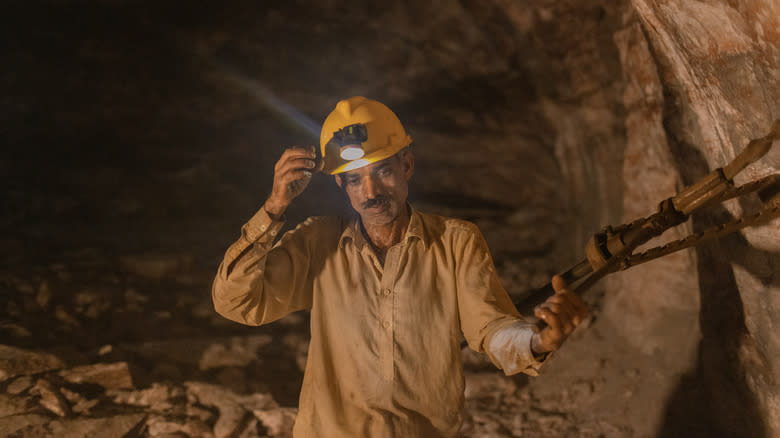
x=138, y=138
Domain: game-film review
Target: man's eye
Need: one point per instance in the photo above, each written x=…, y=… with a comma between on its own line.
x=352, y=181
x=385, y=171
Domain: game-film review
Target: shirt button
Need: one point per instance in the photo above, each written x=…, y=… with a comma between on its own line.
x=387, y=292
x=262, y=227
x=386, y=324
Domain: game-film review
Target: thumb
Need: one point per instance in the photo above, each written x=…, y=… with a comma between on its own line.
x=558, y=284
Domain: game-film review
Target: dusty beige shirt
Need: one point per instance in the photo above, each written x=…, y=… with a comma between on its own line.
x=384, y=358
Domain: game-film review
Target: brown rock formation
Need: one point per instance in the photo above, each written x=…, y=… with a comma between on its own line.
x=143, y=134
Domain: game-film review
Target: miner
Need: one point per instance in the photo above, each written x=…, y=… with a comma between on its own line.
x=391, y=289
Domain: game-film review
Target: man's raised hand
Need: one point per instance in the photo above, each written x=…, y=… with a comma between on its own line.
x=292, y=174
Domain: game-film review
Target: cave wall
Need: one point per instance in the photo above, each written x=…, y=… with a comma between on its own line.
x=694, y=333
x=542, y=121
x=703, y=79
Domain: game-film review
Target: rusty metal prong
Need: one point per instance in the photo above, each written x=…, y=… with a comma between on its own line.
x=753, y=151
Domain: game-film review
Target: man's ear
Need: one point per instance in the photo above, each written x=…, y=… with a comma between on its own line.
x=337, y=177
x=407, y=163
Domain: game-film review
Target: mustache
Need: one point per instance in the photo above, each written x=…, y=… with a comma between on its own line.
x=380, y=200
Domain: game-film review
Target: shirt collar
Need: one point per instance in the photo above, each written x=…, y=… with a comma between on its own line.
x=353, y=232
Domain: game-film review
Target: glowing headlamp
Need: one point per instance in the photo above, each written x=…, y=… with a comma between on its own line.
x=351, y=152
x=350, y=139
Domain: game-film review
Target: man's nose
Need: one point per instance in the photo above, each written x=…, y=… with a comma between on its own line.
x=370, y=188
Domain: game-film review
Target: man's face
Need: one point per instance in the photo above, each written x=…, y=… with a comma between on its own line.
x=378, y=191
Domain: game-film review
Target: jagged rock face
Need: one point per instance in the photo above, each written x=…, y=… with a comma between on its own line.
x=718, y=65
x=146, y=133
x=699, y=82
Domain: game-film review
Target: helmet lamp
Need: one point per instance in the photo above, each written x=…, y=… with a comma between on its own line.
x=351, y=152
x=350, y=139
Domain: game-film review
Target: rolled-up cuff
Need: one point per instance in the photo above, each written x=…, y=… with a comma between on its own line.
x=261, y=225
x=509, y=348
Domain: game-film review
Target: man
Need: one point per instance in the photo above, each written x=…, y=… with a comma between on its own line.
x=390, y=290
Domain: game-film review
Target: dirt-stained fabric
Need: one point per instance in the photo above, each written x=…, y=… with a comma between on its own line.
x=384, y=358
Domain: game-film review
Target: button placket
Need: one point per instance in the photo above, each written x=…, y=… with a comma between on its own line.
x=386, y=312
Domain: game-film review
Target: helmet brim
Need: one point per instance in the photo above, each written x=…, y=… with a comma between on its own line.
x=334, y=164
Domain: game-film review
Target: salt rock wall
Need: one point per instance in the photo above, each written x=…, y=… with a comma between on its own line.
x=145, y=133
x=702, y=78
x=686, y=345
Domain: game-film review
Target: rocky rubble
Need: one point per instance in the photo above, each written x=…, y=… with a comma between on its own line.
x=16, y=361
x=100, y=400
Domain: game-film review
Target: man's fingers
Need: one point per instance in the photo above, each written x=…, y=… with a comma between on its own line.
x=561, y=306
x=580, y=307
x=293, y=173
x=295, y=153
x=562, y=312
x=300, y=151
x=551, y=337
x=559, y=309
x=573, y=303
x=563, y=316
x=297, y=176
x=294, y=169
x=295, y=164
x=295, y=158
x=548, y=317
x=558, y=284
x=576, y=307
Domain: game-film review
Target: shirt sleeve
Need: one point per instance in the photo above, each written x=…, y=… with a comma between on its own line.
x=259, y=282
x=509, y=348
x=489, y=321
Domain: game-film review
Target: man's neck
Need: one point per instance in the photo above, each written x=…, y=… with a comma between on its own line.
x=382, y=237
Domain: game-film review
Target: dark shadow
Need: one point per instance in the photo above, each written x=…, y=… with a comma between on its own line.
x=279, y=371
x=714, y=400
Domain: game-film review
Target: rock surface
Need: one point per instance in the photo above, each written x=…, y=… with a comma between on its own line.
x=144, y=134
x=719, y=66
x=16, y=361
x=109, y=376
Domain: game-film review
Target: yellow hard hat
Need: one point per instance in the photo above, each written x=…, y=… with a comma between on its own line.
x=359, y=132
